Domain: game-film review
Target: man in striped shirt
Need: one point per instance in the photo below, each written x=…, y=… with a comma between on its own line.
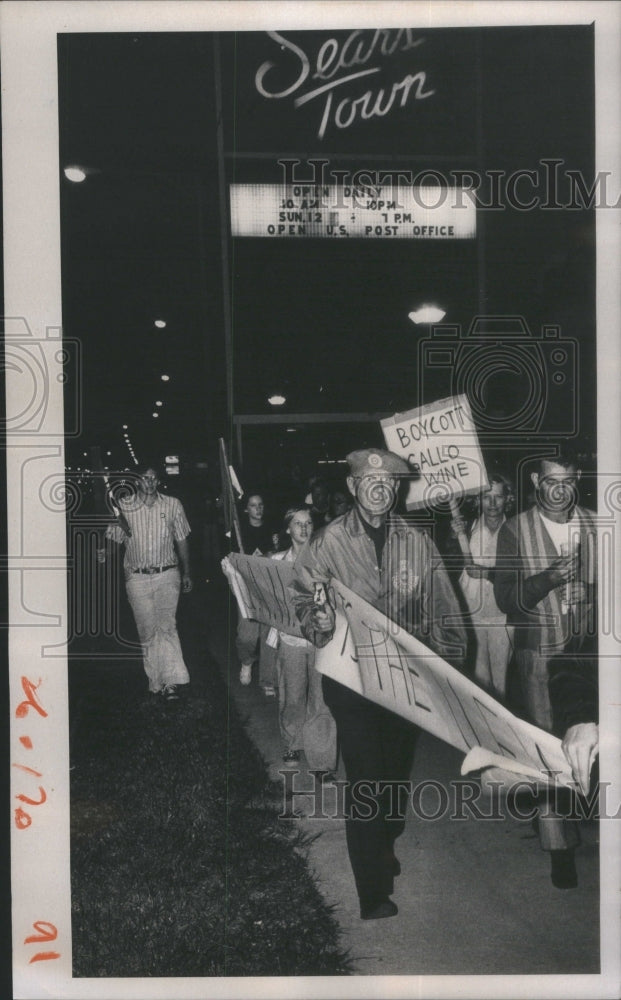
x=157, y=570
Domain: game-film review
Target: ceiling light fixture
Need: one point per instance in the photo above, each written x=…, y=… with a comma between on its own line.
x=75, y=174
x=276, y=399
x=427, y=313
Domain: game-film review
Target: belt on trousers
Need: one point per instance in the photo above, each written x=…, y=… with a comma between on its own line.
x=155, y=569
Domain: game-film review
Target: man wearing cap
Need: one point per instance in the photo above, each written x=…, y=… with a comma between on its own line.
x=396, y=567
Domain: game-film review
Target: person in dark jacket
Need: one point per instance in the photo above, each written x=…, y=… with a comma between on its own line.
x=396, y=567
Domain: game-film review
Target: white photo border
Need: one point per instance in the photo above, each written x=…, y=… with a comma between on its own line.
x=37, y=544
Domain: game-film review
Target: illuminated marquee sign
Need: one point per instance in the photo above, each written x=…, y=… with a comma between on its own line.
x=389, y=212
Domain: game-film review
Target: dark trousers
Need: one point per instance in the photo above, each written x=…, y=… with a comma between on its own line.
x=377, y=746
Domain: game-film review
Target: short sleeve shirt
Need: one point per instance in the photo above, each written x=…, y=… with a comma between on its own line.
x=154, y=529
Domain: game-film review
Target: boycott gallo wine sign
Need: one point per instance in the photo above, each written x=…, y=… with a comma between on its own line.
x=440, y=444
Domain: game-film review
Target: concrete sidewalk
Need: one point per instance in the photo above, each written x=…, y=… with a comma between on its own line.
x=474, y=896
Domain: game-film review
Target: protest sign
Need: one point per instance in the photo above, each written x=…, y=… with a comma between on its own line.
x=260, y=587
x=439, y=442
x=230, y=483
x=376, y=658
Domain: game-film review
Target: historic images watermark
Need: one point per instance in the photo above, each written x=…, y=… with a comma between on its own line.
x=549, y=185
x=431, y=800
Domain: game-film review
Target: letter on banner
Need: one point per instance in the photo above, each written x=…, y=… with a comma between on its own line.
x=375, y=657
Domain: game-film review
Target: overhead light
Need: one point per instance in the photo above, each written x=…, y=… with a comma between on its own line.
x=165, y=378
x=276, y=399
x=75, y=174
x=124, y=427
x=158, y=402
x=291, y=430
x=427, y=313
x=108, y=453
x=155, y=414
x=160, y=323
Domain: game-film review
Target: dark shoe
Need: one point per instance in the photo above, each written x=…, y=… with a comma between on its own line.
x=377, y=911
x=291, y=756
x=563, y=871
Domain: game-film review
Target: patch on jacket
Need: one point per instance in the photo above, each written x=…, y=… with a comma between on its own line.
x=405, y=581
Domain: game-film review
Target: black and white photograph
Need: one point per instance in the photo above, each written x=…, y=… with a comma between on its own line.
x=311, y=347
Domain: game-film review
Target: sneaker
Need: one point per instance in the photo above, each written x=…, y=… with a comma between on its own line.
x=269, y=691
x=245, y=674
x=170, y=692
x=291, y=756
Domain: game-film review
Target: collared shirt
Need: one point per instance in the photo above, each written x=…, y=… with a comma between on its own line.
x=410, y=586
x=154, y=528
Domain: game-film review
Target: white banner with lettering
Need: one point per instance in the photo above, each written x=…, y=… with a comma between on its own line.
x=372, y=655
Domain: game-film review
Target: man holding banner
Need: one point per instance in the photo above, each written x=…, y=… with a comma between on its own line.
x=395, y=567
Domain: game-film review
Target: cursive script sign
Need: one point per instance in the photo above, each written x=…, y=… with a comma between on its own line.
x=336, y=65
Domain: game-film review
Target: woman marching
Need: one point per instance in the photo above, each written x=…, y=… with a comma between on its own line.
x=305, y=720
x=493, y=637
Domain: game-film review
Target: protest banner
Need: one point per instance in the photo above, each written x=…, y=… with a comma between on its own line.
x=373, y=656
x=440, y=444
x=260, y=587
x=376, y=658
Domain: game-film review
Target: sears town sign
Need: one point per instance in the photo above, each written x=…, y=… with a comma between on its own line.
x=347, y=80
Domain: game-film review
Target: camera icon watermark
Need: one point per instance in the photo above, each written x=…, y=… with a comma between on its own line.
x=36, y=368
x=517, y=382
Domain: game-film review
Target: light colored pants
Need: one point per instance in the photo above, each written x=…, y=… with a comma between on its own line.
x=153, y=599
x=306, y=722
x=493, y=652
x=555, y=833
x=251, y=634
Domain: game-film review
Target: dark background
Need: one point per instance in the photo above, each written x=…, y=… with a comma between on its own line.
x=324, y=322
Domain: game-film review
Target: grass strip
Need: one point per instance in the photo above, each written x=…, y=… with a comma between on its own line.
x=179, y=863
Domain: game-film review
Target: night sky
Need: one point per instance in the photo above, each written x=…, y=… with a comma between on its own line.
x=324, y=321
